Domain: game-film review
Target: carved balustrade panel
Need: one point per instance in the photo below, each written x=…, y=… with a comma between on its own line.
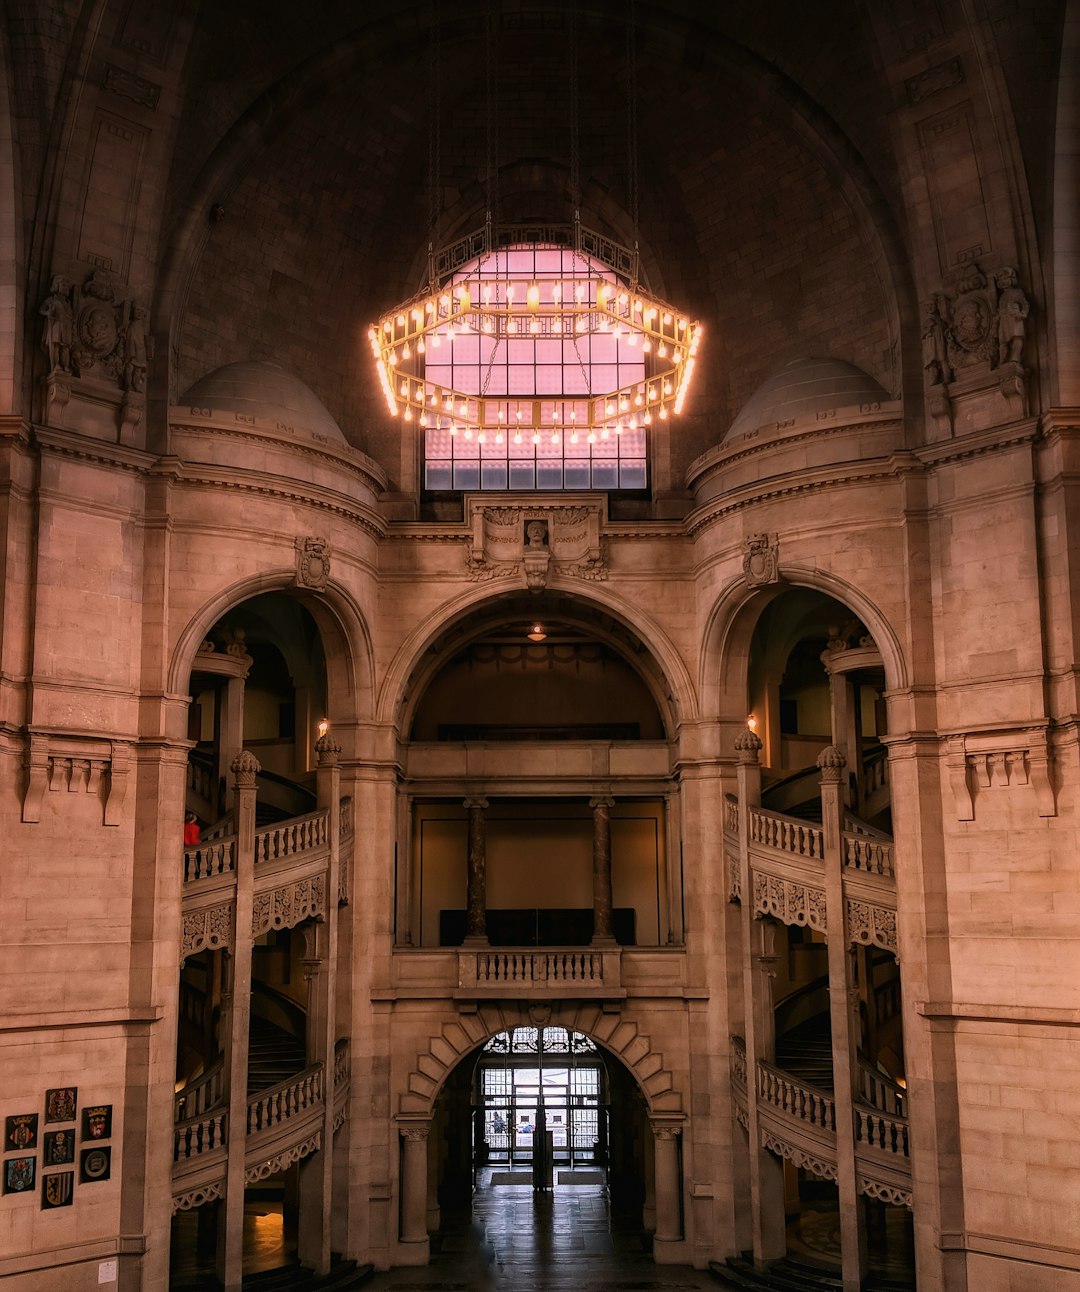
x=264, y=1167
x=302, y=834
x=286, y=905
x=734, y=870
x=880, y=1131
x=795, y=1099
x=200, y=1135
x=785, y=834
x=868, y=855
x=288, y=1099
x=870, y=924
x=798, y=1156
x=790, y=901
x=207, y=928
x=884, y=1191
x=214, y=858
x=512, y=967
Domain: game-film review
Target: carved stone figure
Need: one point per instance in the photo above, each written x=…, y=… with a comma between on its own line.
x=59, y=317
x=536, y=533
x=135, y=351
x=1013, y=310
x=935, y=353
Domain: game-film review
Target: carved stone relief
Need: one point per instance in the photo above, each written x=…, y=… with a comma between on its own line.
x=550, y=539
x=761, y=561
x=312, y=562
x=97, y=767
x=815, y=1165
x=871, y=925
x=207, y=929
x=285, y=907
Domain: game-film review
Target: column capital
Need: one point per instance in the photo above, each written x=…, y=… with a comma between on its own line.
x=601, y=801
x=245, y=767
x=415, y=1132
x=476, y=801
x=666, y=1129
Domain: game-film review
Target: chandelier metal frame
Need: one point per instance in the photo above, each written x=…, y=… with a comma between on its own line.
x=560, y=309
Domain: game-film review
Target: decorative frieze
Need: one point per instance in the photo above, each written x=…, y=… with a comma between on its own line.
x=193, y=1198
x=890, y=1193
x=282, y=1161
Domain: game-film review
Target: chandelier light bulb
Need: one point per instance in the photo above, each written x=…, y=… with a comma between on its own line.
x=517, y=437
x=537, y=632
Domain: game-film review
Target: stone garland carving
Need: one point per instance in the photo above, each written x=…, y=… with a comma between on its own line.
x=285, y=907
x=742, y=1116
x=312, y=562
x=197, y=1197
x=761, y=561
x=884, y=1192
x=57, y=769
x=283, y=1160
x=872, y=925
x=207, y=929
x=797, y=1157
x=339, y=1118
x=789, y=902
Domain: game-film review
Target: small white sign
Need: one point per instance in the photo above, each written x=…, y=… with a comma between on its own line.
x=106, y=1272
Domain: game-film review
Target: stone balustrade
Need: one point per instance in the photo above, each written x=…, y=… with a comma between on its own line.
x=795, y=1099
x=288, y=1099
x=210, y=859
x=198, y=1097
x=773, y=830
x=870, y=856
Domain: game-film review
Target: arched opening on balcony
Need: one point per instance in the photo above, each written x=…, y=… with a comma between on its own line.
x=539, y=772
x=819, y=1074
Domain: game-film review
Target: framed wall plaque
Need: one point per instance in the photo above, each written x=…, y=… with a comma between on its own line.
x=95, y=1164
x=60, y=1104
x=97, y=1121
x=20, y=1132
x=59, y=1147
x=19, y=1174
x=57, y=1190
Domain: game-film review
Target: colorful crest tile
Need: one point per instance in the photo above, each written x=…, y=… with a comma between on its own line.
x=60, y=1104
x=59, y=1147
x=19, y=1173
x=57, y=1190
x=95, y=1164
x=97, y=1121
x=20, y=1132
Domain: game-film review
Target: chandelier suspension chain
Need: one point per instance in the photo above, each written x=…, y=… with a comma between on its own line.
x=434, y=135
x=492, y=120
x=632, y=127
x=575, y=125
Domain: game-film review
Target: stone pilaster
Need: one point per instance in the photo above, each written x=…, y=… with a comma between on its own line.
x=603, y=934
x=476, y=918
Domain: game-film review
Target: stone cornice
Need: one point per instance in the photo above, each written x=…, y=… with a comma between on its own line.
x=71, y=444
x=977, y=443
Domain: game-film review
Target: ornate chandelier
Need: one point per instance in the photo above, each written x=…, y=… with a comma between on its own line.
x=570, y=307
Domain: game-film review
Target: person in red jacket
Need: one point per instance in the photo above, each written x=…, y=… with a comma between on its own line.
x=192, y=833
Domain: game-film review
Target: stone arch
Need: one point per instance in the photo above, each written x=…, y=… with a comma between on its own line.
x=346, y=639
x=464, y=1033
x=678, y=705
x=731, y=624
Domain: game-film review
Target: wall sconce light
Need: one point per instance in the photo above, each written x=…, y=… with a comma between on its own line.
x=324, y=726
x=751, y=723
x=537, y=633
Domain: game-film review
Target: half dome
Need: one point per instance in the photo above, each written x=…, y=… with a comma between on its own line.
x=806, y=388
x=267, y=392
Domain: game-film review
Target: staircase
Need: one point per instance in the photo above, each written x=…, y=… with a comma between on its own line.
x=805, y=1051
x=789, y=1275
x=273, y=1055
x=344, y=1276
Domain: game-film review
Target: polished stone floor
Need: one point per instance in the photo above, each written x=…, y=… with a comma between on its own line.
x=518, y=1240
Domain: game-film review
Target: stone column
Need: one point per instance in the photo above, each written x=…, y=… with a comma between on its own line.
x=667, y=1185
x=230, y=735
x=414, y=1170
x=842, y=1001
x=603, y=935
x=320, y=967
x=766, y=1170
x=476, y=919
x=245, y=768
